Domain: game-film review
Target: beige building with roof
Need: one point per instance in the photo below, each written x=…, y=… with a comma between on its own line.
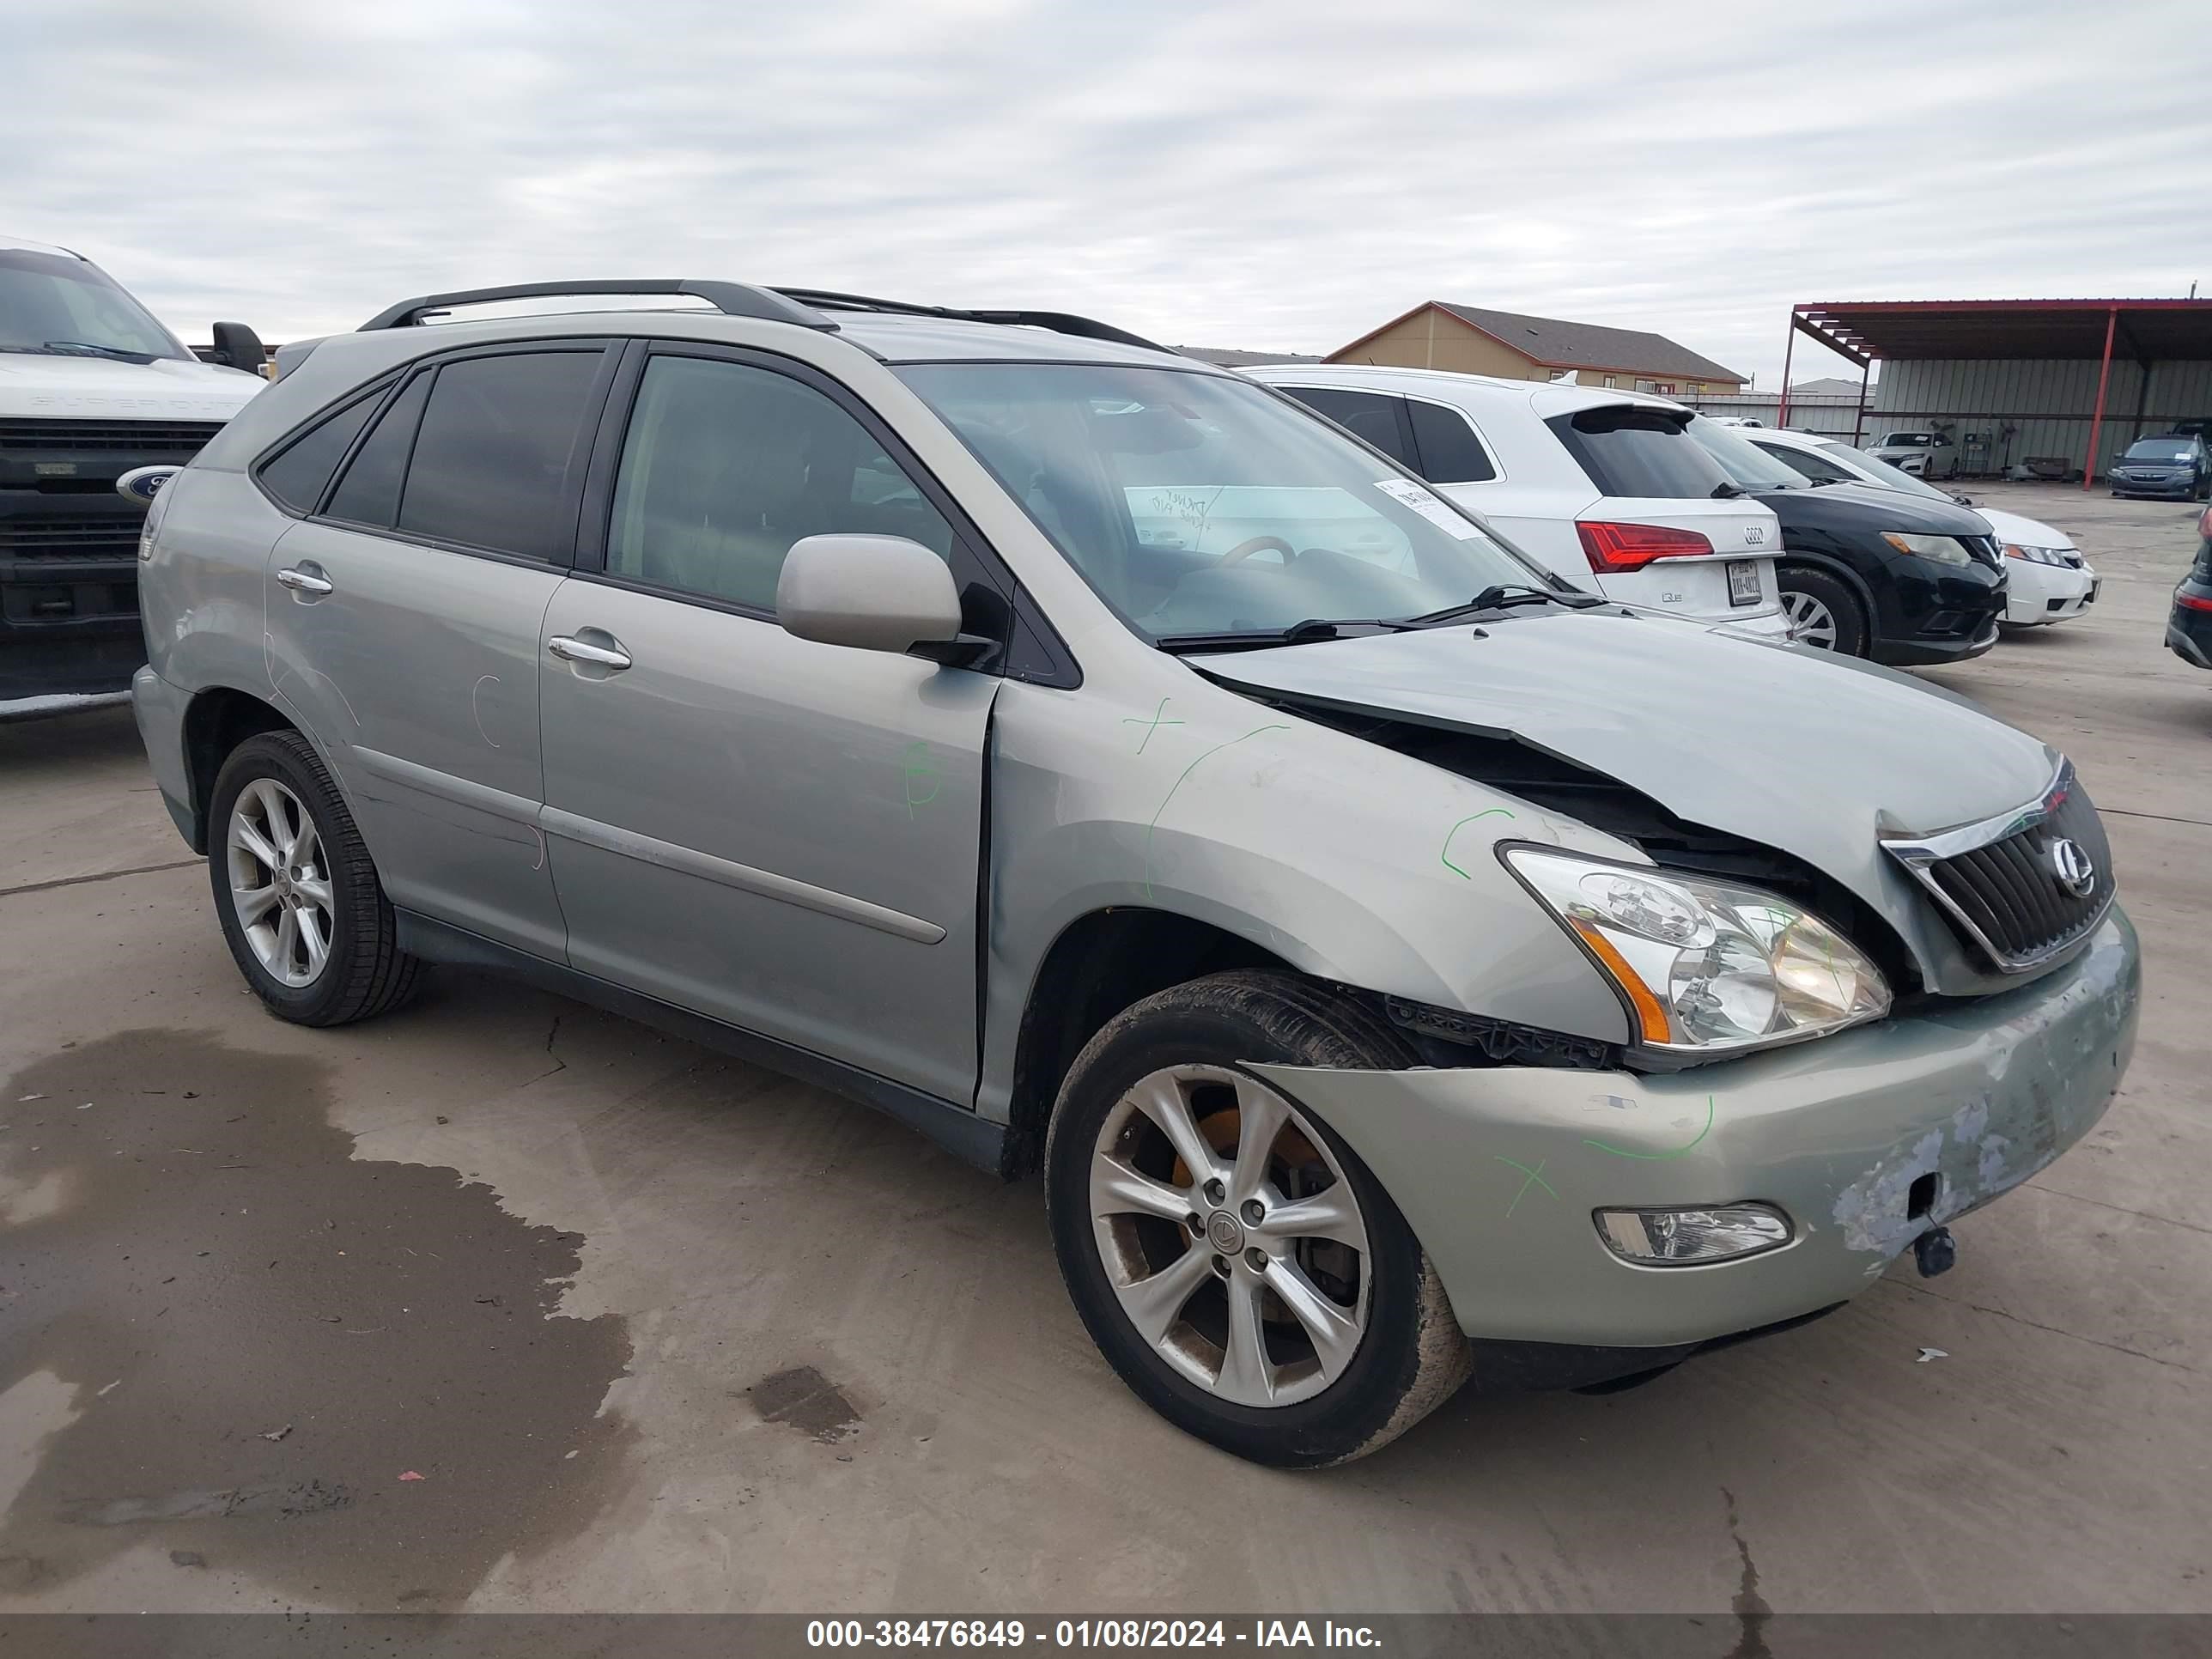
x=1470, y=340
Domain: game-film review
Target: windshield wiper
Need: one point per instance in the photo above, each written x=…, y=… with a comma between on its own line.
x=1502, y=596
x=71, y=348
x=1299, y=632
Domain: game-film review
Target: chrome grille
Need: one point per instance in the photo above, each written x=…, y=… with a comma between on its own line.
x=2003, y=883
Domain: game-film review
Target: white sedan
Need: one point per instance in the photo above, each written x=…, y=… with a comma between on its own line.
x=2051, y=580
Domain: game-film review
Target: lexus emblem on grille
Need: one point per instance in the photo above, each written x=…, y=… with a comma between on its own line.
x=2072, y=868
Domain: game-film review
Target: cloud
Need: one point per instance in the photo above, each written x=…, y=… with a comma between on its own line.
x=1283, y=175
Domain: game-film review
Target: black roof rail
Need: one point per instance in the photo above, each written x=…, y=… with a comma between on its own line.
x=730, y=299
x=1059, y=322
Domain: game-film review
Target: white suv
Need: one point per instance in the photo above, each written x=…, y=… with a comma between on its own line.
x=1514, y=452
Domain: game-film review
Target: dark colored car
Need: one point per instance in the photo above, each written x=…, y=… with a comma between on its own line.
x=1873, y=572
x=2189, y=629
x=2175, y=467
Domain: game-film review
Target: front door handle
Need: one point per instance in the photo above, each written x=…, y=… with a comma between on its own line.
x=569, y=648
x=305, y=582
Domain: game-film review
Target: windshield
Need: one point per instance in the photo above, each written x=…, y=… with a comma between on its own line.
x=1882, y=472
x=1197, y=504
x=1748, y=466
x=2160, y=449
x=52, y=303
x=1908, y=440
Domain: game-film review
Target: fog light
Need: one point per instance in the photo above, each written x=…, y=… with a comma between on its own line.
x=1680, y=1238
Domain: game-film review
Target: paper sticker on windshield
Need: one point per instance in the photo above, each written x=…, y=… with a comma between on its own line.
x=1430, y=506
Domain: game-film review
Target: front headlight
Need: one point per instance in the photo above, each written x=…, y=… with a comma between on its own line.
x=1708, y=967
x=2037, y=555
x=1944, y=549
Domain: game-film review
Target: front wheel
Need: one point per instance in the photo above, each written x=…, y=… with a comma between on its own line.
x=301, y=909
x=1236, y=1263
x=1822, y=612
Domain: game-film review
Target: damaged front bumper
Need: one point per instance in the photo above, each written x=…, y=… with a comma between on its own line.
x=1499, y=1170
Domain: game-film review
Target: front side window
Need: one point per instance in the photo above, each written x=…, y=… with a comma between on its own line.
x=54, y=306
x=725, y=465
x=1195, y=503
x=491, y=461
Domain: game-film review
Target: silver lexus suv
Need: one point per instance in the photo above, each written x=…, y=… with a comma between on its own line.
x=1400, y=966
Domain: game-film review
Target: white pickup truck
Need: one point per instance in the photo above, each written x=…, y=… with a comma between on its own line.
x=91, y=387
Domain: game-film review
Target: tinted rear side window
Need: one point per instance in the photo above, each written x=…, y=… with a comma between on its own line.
x=1816, y=467
x=1450, y=453
x=1629, y=450
x=369, y=492
x=491, y=462
x=1369, y=415
x=300, y=473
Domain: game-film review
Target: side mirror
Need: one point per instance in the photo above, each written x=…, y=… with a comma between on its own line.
x=873, y=593
x=241, y=347
x=142, y=483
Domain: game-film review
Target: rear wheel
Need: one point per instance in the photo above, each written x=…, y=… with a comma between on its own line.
x=301, y=909
x=1821, y=610
x=1236, y=1263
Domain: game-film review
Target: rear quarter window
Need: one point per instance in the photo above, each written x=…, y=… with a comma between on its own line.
x=1630, y=450
x=298, y=474
x=1450, y=453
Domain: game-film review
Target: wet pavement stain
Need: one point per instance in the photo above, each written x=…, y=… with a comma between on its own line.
x=207, y=1265
x=808, y=1401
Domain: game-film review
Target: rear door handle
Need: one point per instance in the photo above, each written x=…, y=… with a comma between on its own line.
x=305, y=582
x=569, y=648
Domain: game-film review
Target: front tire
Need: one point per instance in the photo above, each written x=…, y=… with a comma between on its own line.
x=301, y=909
x=1236, y=1263
x=1823, y=611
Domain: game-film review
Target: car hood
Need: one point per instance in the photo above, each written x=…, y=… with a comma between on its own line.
x=1865, y=506
x=34, y=384
x=2025, y=532
x=2152, y=462
x=1814, y=753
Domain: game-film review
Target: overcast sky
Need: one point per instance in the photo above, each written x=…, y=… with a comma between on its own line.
x=1272, y=175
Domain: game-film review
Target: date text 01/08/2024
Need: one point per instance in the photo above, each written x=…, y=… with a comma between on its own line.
x=1120, y=1633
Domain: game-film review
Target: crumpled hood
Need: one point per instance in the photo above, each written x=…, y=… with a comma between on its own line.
x=1814, y=753
x=35, y=383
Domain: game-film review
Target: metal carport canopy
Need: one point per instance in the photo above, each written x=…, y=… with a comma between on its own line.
x=2156, y=330
x=1897, y=331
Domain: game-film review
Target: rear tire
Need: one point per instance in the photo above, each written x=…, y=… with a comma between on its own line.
x=1823, y=611
x=301, y=909
x=1237, y=1348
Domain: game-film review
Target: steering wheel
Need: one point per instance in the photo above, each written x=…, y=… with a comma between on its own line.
x=1245, y=549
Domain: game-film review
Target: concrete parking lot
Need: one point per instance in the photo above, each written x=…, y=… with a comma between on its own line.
x=501, y=1302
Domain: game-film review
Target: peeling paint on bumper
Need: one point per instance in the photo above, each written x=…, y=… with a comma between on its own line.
x=1982, y=1094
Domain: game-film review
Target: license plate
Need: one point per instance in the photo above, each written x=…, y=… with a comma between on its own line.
x=1743, y=583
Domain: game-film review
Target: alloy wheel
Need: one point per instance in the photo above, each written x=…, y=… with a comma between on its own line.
x=279, y=884
x=1811, y=622
x=1231, y=1237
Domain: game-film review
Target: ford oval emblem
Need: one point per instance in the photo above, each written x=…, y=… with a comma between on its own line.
x=142, y=483
x=2071, y=868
